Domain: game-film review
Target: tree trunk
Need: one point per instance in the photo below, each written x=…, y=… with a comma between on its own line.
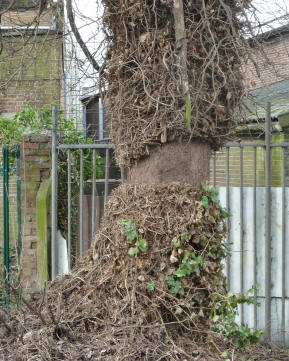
x=186, y=163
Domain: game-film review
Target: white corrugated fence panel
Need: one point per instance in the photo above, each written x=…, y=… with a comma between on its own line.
x=248, y=253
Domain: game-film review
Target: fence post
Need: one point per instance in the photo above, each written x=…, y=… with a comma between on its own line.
x=228, y=261
x=18, y=175
x=268, y=225
x=81, y=184
x=54, y=245
x=106, y=184
x=6, y=223
x=69, y=208
x=19, y=233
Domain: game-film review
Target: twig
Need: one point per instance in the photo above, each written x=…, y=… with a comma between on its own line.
x=33, y=310
x=4, y=322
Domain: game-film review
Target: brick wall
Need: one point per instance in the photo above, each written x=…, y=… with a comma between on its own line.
x=33, y=78
x=272, y=60
x=35, y=167
x=235, y=169
x=16, y=4
x=248, y=164
x=30, y=61
x=26, y=17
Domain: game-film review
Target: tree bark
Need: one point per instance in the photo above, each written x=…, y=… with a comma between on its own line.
x=181, y=56
x=186, y=163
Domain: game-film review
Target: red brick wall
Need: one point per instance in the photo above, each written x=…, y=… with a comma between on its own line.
x=30, y=66
x=272, y=61
x=35, y=166
x=26, y=17
x=36, y=93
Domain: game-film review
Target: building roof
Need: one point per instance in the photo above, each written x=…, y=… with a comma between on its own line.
x=277, y=94
x=19, y=4
x=272, y=29
x=275, y=33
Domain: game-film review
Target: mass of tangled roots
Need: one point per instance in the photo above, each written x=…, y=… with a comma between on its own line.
x=145, y=98
x=127, y=305
x=114, y=294
x=170, y=224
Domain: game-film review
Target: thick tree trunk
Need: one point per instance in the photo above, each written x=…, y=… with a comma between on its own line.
x=186, y=163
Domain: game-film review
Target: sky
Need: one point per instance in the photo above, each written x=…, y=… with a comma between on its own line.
x=270, y=9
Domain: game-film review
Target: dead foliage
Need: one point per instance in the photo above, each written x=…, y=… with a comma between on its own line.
x=104, y=309
x=145, y=96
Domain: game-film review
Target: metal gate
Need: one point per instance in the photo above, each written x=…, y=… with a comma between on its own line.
x=10, y=166
x=105, y=150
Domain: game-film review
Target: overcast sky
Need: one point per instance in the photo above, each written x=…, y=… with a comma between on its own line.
x=268, y=9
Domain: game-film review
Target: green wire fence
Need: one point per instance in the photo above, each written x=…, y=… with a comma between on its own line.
x=6, y=171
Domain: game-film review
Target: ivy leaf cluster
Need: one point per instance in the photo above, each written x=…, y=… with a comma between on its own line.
x=175, y=286
x=223, y=317
x=211, y=194
x=190, y=263
x=129, y=230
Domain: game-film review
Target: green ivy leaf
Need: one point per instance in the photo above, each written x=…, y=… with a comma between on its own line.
x=205, y=188
x=131, y=235
x=133, y=251
x=177, y=286
x=224, y=213
x=142, y=244
x=180, y=273
x=186, y=255
x=213, y=191
x=185, y=237
x=197, y=270
x=151, y=286
x=167, y=340
x=181, y=291
x=214, y=199
x=170, y=280
x=205, y=201
x=227, y=246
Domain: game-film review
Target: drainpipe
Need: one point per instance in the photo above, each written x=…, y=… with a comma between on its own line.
x=66, y=92
x=100, y=112
x=84, y=120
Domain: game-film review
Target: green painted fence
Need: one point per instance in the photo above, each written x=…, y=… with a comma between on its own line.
x=10, y=166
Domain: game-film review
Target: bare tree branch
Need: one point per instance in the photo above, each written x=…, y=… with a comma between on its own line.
x=181, y=55
x=42, y=5
x=78, y=37
x=7, y=9
x=4, y=320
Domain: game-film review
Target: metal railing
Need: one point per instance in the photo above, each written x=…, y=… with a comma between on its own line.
x=259, y=236
x=6, y=171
